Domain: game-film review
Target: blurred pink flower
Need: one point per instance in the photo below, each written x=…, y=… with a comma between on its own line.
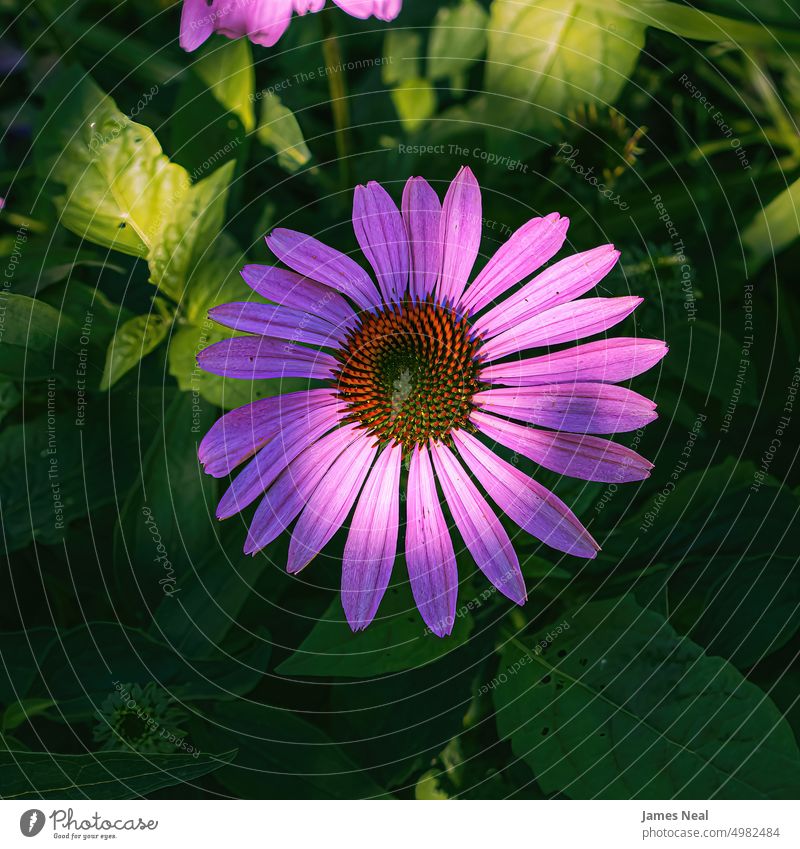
x=264, y=21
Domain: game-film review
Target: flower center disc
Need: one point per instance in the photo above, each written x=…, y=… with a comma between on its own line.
x=408, y=372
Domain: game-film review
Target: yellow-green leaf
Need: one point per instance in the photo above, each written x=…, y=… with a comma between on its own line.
x=280, y=131
x=134, y=340
x=227, y=69
x=457, y=40
x=774, y=227
x=415, y=102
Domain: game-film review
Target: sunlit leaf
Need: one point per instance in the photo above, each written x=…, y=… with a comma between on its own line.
x=226, y=67
x=133, y=341
x=280, y=131
x=415, y=102
x=774, y=227
x=457, y=40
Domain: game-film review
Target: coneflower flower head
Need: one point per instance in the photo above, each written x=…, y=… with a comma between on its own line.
x=425, y=370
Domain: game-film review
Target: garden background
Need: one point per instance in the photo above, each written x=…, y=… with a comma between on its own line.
x=144, y=655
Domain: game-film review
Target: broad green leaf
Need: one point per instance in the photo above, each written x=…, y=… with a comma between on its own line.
x=81, y=667
x=282, y=755
x=698, y=24
x=280, y=131
x=132, y=342
x=9, y=397
x=47, y=481
x=120, y=189
x=457, y=40
x=396, y=640
x=546, y=57
x=774, y=227
x=21, y=652
x=157, y=508
x=619, y=706
x=401, y=52
x=188, y=236
x=227, y=69
x=99, y=775
x=415, y=102
x=742, y=608
x=21, y=711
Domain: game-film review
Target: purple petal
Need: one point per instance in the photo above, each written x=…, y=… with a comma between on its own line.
x=310, y=257
x=565, y=323
x=531, y=246
x=422, y=213
x=586, y=457
x=254, y=358
x=240, y=433
x=383, y=10
x=607, y=360
x=277, y=322
x=534, y=508
x=196, y=24
x=371, y=546
x=459, y=234
x=563, y=282
x=574, y=407
x=289, y=289
x=330, y=503
x=296, y=434
x=479, y=527
x=288, y=495
x=429, y=549
x=382, y=235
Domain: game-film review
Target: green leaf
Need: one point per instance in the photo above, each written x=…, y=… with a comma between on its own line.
x=82, y=666
x=99, y=775
x=415, y=102
x=188, y=237
x=120, y=187
x=282, y=756
x=619, y=706
x=22, y=710
x=280, y=131
x=227, y=69
x=546, y=57
x=132, y=342
x=458, y=39
x=741, y=608
x=21, y=652
x=396, y=640
x=401, y=51
x=774, y=227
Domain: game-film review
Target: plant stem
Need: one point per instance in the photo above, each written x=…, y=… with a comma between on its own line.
x=337, y=85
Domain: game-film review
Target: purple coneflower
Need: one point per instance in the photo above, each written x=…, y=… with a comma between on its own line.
x=425, y=371
x=264, y=21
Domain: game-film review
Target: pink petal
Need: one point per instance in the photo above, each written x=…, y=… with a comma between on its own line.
x=240, y=433
x=371, y=546
x=606, y=360
x=574, y=407
x=562, y=282
x=330, y=503
x=197, y=24
x=422, y=213
x=289, y=289
x=531, y=246
x=479, y=527
x=288, y=495
x=564, y=323
x=586, y=457
x=459, y=234
x=311, y=258
x=276, y=322
x=383, y=10
x=382, y=236
x=429, y=549
x=255, y=357
x=296, y=434
x=534, y=508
